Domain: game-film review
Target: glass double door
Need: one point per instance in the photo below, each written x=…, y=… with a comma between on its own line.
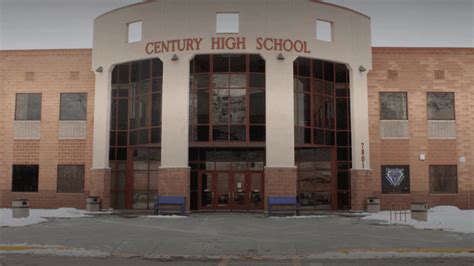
x=228, y=190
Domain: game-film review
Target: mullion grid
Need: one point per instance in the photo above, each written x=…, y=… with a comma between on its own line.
x=247, y=123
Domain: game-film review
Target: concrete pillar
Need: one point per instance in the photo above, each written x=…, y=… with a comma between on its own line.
x=100, y=172
x=174, y=171
x=361, y=174
x=280, y=170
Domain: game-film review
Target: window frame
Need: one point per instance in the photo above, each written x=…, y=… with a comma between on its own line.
x=40, y=106
x=61, y=102
x=331, y=30
x=228, y=31
x=128, y=32
x=454, y=106
x=382, y=173
x=443, y=193
x=83, y=178
x=13, y=178
x=380, y=105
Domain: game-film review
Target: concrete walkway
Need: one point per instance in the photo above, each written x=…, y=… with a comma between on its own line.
x=233, y=234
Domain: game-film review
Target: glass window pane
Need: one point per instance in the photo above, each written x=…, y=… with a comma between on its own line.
x=202, y=81
x=220, y=80
x=156, y=109
x=443, y=179
x=124, y=75
x=122, y=114
x=156, y=135
x=220, y=133
x=341, y=113
x=328, y=71
x=157, y=67
x=393, y=106
x=145, y=69
x=317, y=69
x=257, y=106
x=237, y=105
x=28, y=106
x=395, y=179
x=203, y=133
x=70, y=179
x=73, y=106
x=220, y=105
x=25, y=178
x=329, y=112
x=257, y=81
x=257, y=133
x=440, y=105
x=256, y=64
x=238, y=63
x=303, y=67
x=238, y=80
x=221, y=63
x=318, y=110
x=201, y=64
x=202, y=106
x=237, y=133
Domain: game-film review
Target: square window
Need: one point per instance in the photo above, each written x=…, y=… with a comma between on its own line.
x=25, y=178
x=440, y=105
x=134, y=31
x=324, y=30
x=443, y=179
x=395, y=179
x=73, y=107
x=227, y=23
x=28, y=107
x=70, y=179
x=393, y=106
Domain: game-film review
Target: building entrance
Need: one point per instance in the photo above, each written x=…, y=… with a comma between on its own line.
x=227, y=190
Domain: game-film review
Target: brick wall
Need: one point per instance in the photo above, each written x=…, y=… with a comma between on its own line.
x=394, y=69
x=416, y=69
x=47, y=72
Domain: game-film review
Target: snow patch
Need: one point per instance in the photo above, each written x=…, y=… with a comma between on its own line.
x=166, y=216
x=38, y=216
x=446, y=218
x=298, y=217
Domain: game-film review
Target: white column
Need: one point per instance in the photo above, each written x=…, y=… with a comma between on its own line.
x=175, y=113
x=102, y=105
x=280, y=136
x=359, y=119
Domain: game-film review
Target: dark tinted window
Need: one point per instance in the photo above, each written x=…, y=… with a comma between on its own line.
x=70, y=179
x=395, y=179
x=443, y=179
x=25, y=178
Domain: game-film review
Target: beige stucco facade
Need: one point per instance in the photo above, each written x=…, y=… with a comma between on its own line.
x=281, y=19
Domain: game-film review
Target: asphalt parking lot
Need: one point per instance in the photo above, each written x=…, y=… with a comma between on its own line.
x=210, y=238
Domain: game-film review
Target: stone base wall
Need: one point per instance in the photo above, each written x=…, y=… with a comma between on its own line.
x=361, y=188
x=100, y=186
x=174, y=182
x=279, y=181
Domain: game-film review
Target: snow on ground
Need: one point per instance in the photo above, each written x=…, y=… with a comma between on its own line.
x=38, y=216
x=298, y=217
x=446, y=218
x=166, y=216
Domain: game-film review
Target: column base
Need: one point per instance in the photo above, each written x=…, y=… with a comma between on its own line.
x=361, y=188
x=280, y=181
x=174, y=182
x=100, y=186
